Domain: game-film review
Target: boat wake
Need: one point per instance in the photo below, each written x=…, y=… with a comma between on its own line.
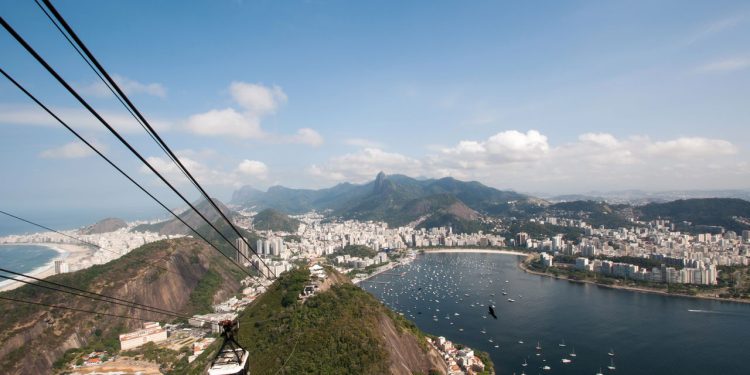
x=717, y=312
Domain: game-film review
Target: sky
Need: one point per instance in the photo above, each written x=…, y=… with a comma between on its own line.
x=541, y=97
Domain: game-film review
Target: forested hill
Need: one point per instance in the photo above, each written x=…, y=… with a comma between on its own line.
x=270, y=219
x=341, y=330
x=730, y=213
x=182, y=275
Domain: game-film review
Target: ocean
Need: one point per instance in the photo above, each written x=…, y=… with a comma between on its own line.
x=447, y=294
x=24, y=258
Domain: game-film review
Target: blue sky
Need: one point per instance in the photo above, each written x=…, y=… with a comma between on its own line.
x=551, y=97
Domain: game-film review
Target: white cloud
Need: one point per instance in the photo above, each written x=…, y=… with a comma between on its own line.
x=526, y=160
x=691, y=147
x=363, y=165
x=252, y=168
x=129, y=86
x=72, y=150
x=306, y=136
x=726, y=65
x=77, y=118
x=600, y=139
x=362, y=142
x=198, y=163
x=510, y=145
x=256, y=101
x=225, y=122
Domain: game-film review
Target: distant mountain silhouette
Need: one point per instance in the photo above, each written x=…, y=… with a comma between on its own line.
x=104, y=226
x=395, y=199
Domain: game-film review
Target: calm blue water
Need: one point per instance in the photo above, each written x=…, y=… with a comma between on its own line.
x=24, y=258
x=650, y=334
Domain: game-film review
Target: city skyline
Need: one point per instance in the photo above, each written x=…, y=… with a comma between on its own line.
x=568, y=99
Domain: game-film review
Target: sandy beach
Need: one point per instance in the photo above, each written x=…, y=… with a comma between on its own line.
x=73, y=254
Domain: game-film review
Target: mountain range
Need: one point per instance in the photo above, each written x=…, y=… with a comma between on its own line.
x=395, y=199
x=400, y=200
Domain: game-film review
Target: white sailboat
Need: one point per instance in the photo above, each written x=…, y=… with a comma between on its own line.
x=611, y=364
x=562, y=344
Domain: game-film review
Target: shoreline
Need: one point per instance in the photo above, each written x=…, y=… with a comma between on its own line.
x=391, y=266
x=70, y=252
x=380, y=270
x=476, y=251
x=523, y=267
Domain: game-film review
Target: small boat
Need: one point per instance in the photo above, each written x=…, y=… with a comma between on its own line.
x=546, y=368
x=511, y=300
x=566, y=361
x=611, y=352
x=506, y=281
x=611, y=364
x=505, y=293
x=538, y=347
x=600, y=372
x=524, y=364
x=573, y=353
x=520, y=341
x=562, y=344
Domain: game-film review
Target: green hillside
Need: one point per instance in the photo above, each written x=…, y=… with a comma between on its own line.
x=707, y=211
x=270, y=219
x=343, y=330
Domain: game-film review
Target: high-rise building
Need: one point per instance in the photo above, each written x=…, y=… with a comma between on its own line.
x=557, y=242
x=521, y=238
x=267, y=247
x=243, y=251
x=61, y=266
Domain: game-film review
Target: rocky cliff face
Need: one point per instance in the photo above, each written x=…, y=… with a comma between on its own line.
x=32, y=337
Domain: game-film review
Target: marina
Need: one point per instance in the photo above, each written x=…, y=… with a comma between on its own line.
x=559, y=327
